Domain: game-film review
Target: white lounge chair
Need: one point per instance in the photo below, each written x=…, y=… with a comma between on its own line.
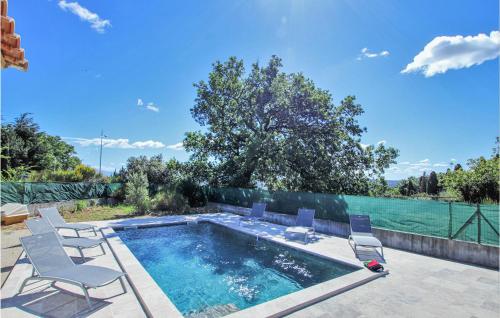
x=58, y=222
x=41, y=225
x=50, y=262
x=361, y=234
x=304, y=224
x=257, y=213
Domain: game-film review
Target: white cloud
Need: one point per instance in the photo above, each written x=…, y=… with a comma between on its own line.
x=425, y=169
x=148, y=144
x=365, y=52
x=120, y=143
x=405, y=169
x=178, y=146
x=445, y=53
x=150, y=106
x=453, y=160
x=381, y=142
x=84, y=14
x=440, y=164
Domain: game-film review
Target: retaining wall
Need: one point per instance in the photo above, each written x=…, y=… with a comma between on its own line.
x=461, y=251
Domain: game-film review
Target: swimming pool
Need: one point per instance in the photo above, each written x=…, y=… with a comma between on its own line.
x=207, y=268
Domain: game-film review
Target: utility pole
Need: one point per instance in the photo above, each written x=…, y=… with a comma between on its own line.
x=100, y=152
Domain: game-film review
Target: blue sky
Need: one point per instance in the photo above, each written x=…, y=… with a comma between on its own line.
x=91, y=61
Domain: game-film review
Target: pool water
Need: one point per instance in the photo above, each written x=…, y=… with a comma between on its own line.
x=205, y=267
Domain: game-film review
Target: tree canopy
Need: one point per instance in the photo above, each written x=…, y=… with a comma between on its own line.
x=29, y=154
x=479, y=183
x=276, y=129
x=26, y=148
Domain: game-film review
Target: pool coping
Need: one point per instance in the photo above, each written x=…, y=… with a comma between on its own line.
x=157, y=304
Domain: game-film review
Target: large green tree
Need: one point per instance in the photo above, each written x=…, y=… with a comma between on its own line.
x=154, y=168
x=267, y=127
x=25, y=147
x=433, y=184
x=477, y=184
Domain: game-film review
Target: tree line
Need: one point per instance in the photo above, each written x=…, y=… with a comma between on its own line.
x=262, y=127
x=29, y=154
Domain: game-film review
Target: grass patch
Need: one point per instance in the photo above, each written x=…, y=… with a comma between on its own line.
x=100, y=213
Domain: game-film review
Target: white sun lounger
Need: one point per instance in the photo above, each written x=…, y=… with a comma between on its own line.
x=40, y=226
x=304, y=224
x=58, y=222
x=257, y=213
x=50, y=262
x=361, y=234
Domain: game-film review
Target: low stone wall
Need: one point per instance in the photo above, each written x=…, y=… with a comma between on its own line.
x=461, y=251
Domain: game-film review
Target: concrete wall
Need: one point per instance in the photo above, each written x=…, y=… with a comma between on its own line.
x=461, y=251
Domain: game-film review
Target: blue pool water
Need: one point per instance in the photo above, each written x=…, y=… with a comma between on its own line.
x=205, y=266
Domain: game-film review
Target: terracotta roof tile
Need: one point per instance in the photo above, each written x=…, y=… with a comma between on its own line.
x=12, y=53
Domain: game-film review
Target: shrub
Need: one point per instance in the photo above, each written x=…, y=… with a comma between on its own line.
x=118, y=194
x=170, y=201
x=84, y=173
x=136, y=191
x=79, y=174
x=193, y=192
x=81, y=204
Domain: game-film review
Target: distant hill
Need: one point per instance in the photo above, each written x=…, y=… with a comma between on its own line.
x=392, y=183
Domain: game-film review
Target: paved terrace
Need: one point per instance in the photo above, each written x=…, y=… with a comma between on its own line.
x=417, y=286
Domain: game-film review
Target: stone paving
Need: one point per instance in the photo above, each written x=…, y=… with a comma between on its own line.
x=11, y=249
x=43, y=299
x=417, y=286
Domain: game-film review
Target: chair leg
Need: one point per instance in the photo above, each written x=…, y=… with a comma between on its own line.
x=77, y=233
x=24, y=284
x=95, y=233
x=102, y=248
x=86, y=293
x=81, y=252
x=123, y=284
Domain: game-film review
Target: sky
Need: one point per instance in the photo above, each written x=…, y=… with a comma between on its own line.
x=426, y=72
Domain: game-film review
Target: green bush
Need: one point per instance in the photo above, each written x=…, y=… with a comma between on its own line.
x=81, y=204
x=170, y=202
x=79, y=174
x=136, y=192
x=118, y=194
x=194, y=193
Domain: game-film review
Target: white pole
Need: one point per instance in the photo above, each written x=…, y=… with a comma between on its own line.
x=100, y=154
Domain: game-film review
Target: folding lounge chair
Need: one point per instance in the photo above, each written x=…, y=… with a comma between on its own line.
x=40, y=226
x=58, y=222
x=257, y=213
x=361, y=234
x=50, y=262
x=304, y=224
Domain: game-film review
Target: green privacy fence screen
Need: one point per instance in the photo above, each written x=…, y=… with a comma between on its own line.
x=40, y=192
x=427, y=217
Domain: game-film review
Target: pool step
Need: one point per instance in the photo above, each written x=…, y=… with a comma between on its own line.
x=214, y=311
x=191, y=221
x=130, y=227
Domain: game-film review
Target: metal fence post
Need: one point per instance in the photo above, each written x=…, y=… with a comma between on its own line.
x=478, y=212
x=450, y=222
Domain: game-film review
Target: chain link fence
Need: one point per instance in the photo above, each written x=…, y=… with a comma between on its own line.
x=427, y=217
